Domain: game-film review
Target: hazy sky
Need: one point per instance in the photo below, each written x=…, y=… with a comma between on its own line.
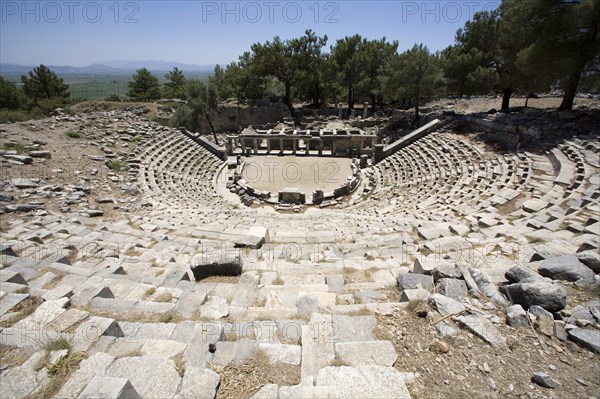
x=79, y=33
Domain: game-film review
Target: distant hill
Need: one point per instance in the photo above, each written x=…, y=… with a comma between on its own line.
x=109, y=67
x=157, y=65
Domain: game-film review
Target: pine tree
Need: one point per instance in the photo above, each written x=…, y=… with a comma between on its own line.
x=144, y=86
x=175, y=85
x=43, y=84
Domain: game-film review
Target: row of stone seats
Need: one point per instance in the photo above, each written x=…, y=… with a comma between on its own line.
x=180, y=172
x=477, y=186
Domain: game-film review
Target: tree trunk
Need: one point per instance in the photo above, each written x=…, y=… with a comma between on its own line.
x=373, y=104
x=239, y=111
x=417, y=108
x=350, y=99
x=571, y=88
x=212, y=128
x=575, y=76
x=318, y=94
x=288, y=98
x=506, y=93
x=527, y=101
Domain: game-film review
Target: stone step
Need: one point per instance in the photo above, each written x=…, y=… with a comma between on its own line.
x=109, y=388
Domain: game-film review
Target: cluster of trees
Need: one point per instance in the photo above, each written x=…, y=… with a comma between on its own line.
x=522, y=47
x=41, y=91
x=527, y=47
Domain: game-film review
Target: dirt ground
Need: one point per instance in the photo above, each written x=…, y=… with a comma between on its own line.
x=484, y=104
x=464, y=366
x=305, y=173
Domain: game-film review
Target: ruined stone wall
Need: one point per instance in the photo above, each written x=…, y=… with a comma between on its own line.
x=230, y=117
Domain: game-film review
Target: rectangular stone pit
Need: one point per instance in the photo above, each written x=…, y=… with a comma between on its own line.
x=206, y=266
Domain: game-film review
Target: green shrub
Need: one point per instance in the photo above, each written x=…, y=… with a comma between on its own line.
x=18, y=115
x=116, y=165
x=19, y=148
x=74, y=134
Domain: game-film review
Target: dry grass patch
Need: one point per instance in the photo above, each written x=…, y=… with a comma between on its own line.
x=137, y=317
x=337, y=362
x=133, y=353
x=278, y=281
x=243, y=380
x=179, y=364
x=392, y=294
x=289, y=340
x=149, y=292
x=11, y=356
x=363, y=311
x=164, y=297
x=221, y=279
x=352, y=275
x=54, y=345
x=22, y=310
x=58, y=372
x=54, y=282
x=416, y=305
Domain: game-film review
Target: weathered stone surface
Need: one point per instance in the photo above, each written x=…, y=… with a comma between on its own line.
x=410, y=281
x=414, y=295
x=364, y=382
x=308, y=391
x=559, y=330
x=551, y=297
x=445, y=329
x=11, y=300
x=307, y=304
x=582, y=312
x=95, y=365
x=516, y=316
x=519, y=273
x=162, y=348
x=534, y=205
x=317, y=344
x=189, y=303
x=543, y=379
x=198, y=383
x=24, y=159
x=19, y=382
x=484, y=329
x=452, y=288
x=279, y=353
x=488, y=287
x=347, y=328
x=269, y=391
x=109, y=388
x=591, y=259
x=446, y=271
x=233, y=352
x=567, y=268
x=426, y=265
x=215, y=308
x=380, y=353
x=8, y=276
x=446, y=305
x=589, y=339
x=152, y=377
x=544, y=320
x=83, y=294
x=40, y=154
